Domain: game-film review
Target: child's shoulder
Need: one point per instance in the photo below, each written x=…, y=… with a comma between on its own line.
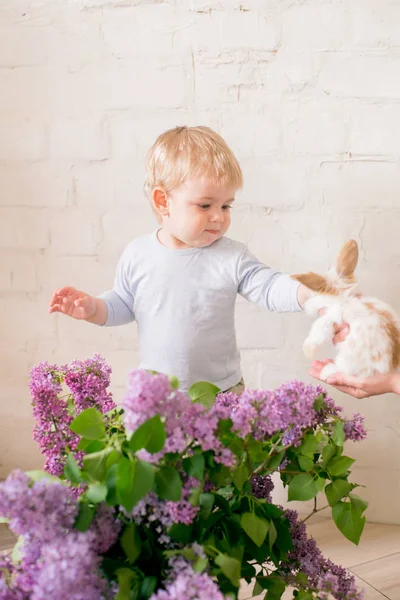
x=229, y=247
x=138, y=246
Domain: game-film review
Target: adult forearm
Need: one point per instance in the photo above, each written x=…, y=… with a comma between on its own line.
x=395, y=383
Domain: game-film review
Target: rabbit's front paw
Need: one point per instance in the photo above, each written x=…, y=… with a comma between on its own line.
x=328, y=370
x=309, y=349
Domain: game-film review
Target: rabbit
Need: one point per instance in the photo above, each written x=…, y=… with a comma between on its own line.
x=373, y=343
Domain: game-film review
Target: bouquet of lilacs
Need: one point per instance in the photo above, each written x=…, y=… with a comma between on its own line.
x=168, y=497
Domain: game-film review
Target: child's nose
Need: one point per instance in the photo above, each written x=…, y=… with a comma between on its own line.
x=218, y=216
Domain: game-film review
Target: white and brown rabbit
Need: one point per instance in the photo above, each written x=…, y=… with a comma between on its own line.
x=373, y=343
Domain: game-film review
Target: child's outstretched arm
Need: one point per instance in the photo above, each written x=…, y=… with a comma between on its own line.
x=78, y=305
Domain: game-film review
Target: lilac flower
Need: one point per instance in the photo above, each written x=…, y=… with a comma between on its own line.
x=52, y=418
x=161, y=514
x=8, y=587
x=319, y=570
x=354, y=428
x=262, y=487
x=183, y=511
x=88, y=381
x=105, y=528
x=189, y=585
x=69, y=570
x=148, y=395
x=288, y=409
x=44, y=509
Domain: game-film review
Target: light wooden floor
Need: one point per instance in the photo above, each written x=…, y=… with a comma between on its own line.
x=375, y=562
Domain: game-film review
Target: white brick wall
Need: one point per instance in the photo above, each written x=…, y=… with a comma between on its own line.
x=307, y=92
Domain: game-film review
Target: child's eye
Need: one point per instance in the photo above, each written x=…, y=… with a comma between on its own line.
x=204, y=206
x=226, y=207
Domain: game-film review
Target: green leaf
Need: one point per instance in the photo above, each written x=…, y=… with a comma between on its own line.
x=4, y=520
x=275, y=586
x=348, y=519
x=125, y=483
x=319, y=402
x=357, y=501
x=240, y=476
x=148, y=587
x=95, y=464
x=327, y=453
x=230, y=567
x=257, y=589
x=303, y=595
x=194, y=466
x=302, y=487
x=204, y=393
x=18, y=550
x=131, y=542
x=143, y=480
x=72, y=470
x=89, y=424
x=150, y=435
x=305, y=462
x=179, y=532
x=125, y=579
x=272, y=534
x=275, y=460
x=168, y=484
x=97, y=492
x=309, y=446
x=336, y=490
x=174, y=381
x=200, y=565
x=339, y=435
x=37, y=475
x=85, y=517
x=340, y=465
x=320, y=483
x=206, y=503
x=111, y=482
x=255, y=527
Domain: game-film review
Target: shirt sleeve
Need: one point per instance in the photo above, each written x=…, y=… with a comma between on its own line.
x=270, y=289
x=119, y=300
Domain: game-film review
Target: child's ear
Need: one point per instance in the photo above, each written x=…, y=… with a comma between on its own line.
x=316, y=283
x=347, y=260
x=160, y=201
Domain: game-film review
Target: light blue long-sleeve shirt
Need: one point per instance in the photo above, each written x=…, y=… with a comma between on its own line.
x=183, y=302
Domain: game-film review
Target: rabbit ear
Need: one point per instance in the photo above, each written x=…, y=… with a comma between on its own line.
x=347, y=260
x=316, y=283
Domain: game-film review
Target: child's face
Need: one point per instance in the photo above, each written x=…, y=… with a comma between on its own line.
x=198, y=212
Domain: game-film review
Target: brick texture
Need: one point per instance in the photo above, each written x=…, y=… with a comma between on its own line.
x=307, y=93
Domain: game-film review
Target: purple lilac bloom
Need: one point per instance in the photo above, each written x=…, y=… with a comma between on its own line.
x=262, y=487
x=69, y=570
x=189, y=585
x=319, y=570
x=105, y=528
x=288, y=409
x=183, y=511
x=52, y=418
x=44, y=509
x=354, y=428
x=148, y=395
x=88, y=381
x=9, y=589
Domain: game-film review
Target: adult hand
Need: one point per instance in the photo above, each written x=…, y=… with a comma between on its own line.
x=359, y=387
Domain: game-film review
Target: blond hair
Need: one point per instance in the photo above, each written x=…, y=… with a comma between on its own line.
x=185, y=152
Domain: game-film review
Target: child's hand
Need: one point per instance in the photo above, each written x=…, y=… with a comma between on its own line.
x=72, y=302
